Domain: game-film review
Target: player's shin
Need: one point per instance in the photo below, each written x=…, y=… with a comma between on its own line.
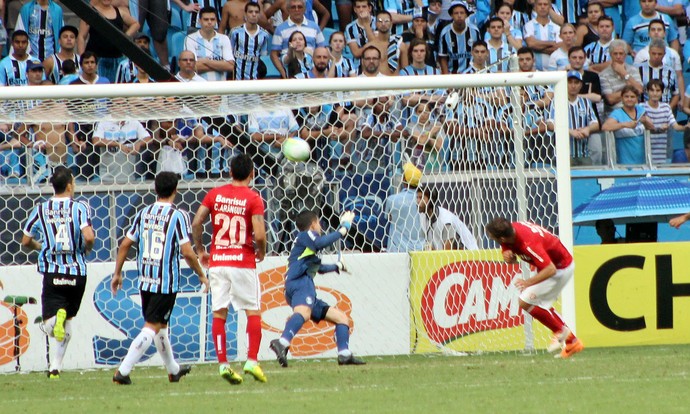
x=546, y=318
x=61, y=348
x=253, y=336
x=165, y=351
x=219, y=339
x=140, y=344
x=342, y=339
x=293, y=325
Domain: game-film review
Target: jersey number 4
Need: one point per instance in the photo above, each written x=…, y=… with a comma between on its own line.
x=63, y=240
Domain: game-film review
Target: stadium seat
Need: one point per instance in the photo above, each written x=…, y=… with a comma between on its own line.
x=327, y=32
x=176, y=21
x=175, y=46
x=271, y=71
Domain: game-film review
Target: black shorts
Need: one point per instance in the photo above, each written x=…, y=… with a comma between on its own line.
x=157, y=307
x=61, y=292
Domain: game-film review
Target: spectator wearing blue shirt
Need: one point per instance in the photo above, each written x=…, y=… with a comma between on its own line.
x=42, y=20
x=295, y=22
x=405, y=232
x=628, y=124
x=636, y=31
x=10, y=166
x=13, y=66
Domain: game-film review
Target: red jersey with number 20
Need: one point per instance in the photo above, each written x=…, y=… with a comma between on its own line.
x=232, y=208
x=538, y=247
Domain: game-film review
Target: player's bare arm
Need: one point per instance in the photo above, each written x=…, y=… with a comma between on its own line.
x=191, y=259
x=545, y=273
x=259, y=227
x=122, y=251
x=30, y=243
x=676, y=222
x=197, y=231
x=89, y=238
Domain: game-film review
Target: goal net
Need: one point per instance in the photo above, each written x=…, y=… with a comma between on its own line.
x=424, y=163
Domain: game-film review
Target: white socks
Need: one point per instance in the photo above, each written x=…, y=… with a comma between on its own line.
x=60, y=347
x=165, y=351
x=140, y=344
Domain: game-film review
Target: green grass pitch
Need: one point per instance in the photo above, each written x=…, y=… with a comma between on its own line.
x=605, y=380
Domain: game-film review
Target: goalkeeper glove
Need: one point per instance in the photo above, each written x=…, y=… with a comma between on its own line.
x=341, y=266
x=346, y=222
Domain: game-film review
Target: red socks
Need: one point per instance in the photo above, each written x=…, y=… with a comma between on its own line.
x=254, y=336
x=546, y=317
x=219, y=340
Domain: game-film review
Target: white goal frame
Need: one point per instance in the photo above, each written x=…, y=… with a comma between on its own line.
x=382, y=86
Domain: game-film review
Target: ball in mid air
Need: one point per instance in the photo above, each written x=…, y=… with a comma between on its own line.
x=296, y=149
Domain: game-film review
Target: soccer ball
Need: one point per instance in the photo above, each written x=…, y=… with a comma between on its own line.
x=296, y=149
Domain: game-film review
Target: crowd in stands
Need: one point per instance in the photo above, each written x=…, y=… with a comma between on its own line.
x=624, y=60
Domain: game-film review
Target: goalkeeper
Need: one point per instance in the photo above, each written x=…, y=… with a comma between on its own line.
x=300, y=293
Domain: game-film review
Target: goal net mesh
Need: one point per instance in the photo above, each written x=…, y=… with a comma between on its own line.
x=469, y=154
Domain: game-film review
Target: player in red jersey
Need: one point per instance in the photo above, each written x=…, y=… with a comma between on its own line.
x=555, y=267
x=237, y=214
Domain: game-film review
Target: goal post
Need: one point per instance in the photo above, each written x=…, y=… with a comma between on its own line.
x=482, y=145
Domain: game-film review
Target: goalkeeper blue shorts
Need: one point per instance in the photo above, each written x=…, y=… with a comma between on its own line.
x=301, y=291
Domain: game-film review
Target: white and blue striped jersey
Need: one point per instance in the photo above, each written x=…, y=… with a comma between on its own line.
x=598, y=52
x=56, y=74
x=126, y=72
x=405, y=7
x=665, y=74
x=500, y=53
x=355, y=33
x=310, y=30
x=217, y=48
x=671, y=58
x=549, y=32
x=393, y=52
x=40, y=30
x=518, y=20
x=13, y=71
x=194, y=19
x=58, y=223
x=661, y=117
x=457, y=47
x=412, y=71
x=571, y=9
x=159, y=230
x=344, y=68
x=636, y=31
x=248, y=49
x=580, y=115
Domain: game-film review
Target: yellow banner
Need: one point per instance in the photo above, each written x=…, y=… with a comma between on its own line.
x=633, y=294
x=465, y=301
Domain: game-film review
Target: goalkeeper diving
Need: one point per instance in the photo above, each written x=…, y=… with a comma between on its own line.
x=300, y=293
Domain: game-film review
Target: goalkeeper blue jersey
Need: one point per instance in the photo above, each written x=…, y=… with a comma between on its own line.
x=304, y=260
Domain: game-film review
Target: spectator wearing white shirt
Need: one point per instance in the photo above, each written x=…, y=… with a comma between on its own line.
x=215, y=60
x=541, y=34
x=443, y=230
x=120, y=142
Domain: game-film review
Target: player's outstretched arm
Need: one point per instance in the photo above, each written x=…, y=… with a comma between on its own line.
x=116, y=282
x=676, y=222
x=190, y=258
